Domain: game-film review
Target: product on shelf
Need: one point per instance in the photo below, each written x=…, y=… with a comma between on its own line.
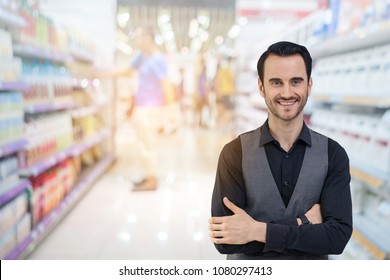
x=50, y=188
x=15, y=223
x=11, y=117
x=9, y=176
x=47, y=135
x=48, y=82
x=359, y=73
x=40, y=31
x=10, y=67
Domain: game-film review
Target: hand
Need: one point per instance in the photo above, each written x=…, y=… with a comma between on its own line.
x=240, y=228
x=314, y=214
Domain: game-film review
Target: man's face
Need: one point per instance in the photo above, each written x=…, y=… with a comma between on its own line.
x=285, y=87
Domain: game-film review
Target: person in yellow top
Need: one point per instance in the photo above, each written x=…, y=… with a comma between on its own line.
x=224, y=86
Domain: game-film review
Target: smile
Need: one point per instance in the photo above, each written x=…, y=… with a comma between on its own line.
x=287, y=103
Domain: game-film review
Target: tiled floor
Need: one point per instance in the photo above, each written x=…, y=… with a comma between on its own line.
x=111, y=222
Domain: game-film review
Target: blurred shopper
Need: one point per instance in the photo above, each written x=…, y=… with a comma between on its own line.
x=202, y=97
x=224, y=86
x=282, y=191
x=154, y=92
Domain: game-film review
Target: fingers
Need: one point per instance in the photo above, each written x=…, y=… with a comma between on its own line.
x=235, y=209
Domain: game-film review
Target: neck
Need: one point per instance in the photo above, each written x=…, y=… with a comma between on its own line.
x=285, y=132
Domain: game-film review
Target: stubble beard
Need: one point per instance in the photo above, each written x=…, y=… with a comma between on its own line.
x=274, y=112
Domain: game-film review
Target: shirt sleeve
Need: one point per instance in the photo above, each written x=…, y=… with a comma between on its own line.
x=229, y=182
x=333, y=234
x=136, y=62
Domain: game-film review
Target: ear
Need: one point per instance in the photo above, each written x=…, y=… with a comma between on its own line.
x=261, y=87
x=310, y=84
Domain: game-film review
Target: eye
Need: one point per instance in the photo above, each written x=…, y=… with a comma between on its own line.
x=276, y=83
x=296, y=82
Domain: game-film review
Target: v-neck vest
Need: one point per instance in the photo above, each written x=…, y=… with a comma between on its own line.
x=263, y=199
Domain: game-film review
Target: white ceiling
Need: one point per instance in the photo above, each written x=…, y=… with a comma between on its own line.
x=98, y=18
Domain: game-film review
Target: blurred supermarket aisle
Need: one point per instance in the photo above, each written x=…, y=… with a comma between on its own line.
x=112, y=222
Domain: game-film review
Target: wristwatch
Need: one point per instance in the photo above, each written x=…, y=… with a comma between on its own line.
x=304, y=219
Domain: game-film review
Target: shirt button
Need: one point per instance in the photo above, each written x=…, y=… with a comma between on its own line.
x=286, y=156
x=285, y=183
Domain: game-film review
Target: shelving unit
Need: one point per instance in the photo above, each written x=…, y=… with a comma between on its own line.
x=14, y=191
x=13, y=147
x=9, y=86
x=370, y=186
x=49, y=107
x=100, y=135
x=75, y=150
x=27, y=51
x=50, y=221
x=10, y=19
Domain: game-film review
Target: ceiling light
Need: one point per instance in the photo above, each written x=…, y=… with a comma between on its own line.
x=204, y=21
x=193, y=30
x=164, y=18
x=234, y=31
x=122, y=19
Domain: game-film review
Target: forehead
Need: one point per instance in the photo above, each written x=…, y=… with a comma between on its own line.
x=284, y=66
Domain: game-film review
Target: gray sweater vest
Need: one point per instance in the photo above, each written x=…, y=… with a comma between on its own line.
x=264, y=202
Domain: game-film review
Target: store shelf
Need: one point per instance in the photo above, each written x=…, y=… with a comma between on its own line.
x=11, y=19
x=14, y=191
x=373, y=35
x=12, y=86
x=75, y=150
x=10, y=148
x=372, y=234
x=50, y=221
x=43, y=108
x=39, y=53
x=366, y=101
x=86, y=111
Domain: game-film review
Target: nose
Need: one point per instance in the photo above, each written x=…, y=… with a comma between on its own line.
x=286, y=91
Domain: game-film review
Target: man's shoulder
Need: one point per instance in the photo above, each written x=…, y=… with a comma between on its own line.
x=333, y=145
x=250, y=133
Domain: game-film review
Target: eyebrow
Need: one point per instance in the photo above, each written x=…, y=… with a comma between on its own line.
x=297, y=79
x=292, y=79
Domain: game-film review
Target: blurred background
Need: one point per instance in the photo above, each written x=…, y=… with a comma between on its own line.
x=69, y=155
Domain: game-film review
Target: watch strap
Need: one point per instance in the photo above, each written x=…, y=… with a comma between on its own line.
x=304, y=219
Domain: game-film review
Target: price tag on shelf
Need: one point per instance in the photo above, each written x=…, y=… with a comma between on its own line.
x=369, y=179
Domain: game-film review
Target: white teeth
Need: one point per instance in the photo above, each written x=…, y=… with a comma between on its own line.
x=287, y=103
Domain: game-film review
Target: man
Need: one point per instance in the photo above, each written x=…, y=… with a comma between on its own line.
x=282, y=191
x=151, y=96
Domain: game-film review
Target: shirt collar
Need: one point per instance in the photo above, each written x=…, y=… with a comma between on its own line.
x=266, y=137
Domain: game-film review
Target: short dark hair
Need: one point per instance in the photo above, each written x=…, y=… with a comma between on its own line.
x=284, y=48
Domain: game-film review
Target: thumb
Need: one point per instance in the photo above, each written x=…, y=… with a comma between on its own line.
x=235, y=209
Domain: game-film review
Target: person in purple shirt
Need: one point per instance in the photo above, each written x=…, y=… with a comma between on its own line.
x=148, y=102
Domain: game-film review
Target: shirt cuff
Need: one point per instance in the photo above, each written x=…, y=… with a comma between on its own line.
x=276, y=237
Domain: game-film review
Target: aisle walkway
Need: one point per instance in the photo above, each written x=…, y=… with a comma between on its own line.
x=111, y=222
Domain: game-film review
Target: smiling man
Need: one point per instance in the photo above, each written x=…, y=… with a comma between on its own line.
x=282, y=190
